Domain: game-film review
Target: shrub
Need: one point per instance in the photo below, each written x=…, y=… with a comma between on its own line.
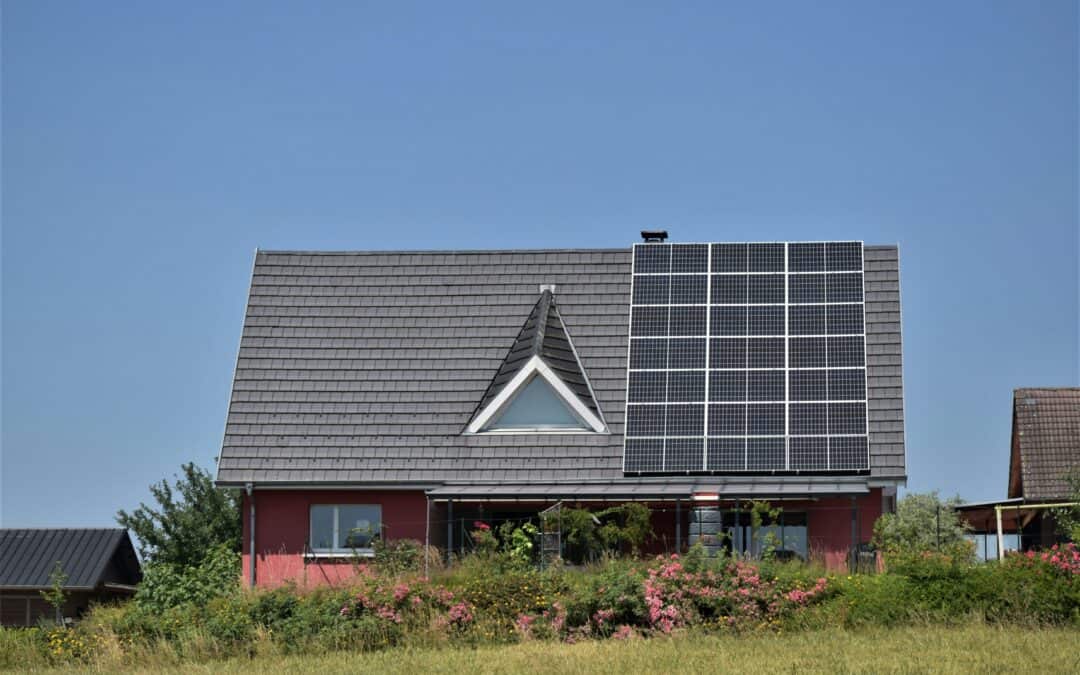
x=923, y=522
x=165, y=585
x=619, y=529
x=398, y=556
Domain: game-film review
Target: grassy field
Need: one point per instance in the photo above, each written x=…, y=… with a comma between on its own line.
x=931, y=649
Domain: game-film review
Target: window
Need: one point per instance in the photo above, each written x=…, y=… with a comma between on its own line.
x=345, y=528
x=537, y=406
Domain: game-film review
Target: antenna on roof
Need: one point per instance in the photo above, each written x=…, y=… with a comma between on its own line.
x=654, y=235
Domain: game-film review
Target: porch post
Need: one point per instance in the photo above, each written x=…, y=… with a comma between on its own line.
x=854, y=533
x=1000, y=540
x=678, y=526
x=449, y=529
x=427, y=531
x=738, y=530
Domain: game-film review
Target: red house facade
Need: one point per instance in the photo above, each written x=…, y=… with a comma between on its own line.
x=406, y=395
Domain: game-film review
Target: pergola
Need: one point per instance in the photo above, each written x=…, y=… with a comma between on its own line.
x=1005, y=514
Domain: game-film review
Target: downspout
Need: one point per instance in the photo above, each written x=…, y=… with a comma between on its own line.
x=250, y=487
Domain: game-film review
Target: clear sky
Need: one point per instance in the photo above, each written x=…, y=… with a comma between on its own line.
x=149, y=148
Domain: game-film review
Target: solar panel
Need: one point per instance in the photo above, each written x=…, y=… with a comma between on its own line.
x=747, y=357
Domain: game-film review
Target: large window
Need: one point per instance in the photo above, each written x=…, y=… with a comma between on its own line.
x=536, y=407
x=345, y=528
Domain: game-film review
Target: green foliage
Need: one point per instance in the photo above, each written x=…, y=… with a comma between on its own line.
x=923, y=522
x=1067, y=518
x=166, y=585
x=763, y=513
x=618, y=529
x=615, y=585
x=476, y=604
x=626, y=526
x=191, y=517
x=503, y=597
x=517, y=541
x=56, y=596
x=398, y=556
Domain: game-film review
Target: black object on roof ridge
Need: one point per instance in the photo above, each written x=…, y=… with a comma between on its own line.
x=544, y=335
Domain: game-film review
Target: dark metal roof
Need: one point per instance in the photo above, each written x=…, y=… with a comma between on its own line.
x=27, y=557
x=366, y=367
x=543, y=335
x=1045, y=442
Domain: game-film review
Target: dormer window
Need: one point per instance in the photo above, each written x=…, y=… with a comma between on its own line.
x=538, y=407
x=540, y=386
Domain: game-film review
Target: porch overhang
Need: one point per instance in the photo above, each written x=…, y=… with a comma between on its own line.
x=698, y=489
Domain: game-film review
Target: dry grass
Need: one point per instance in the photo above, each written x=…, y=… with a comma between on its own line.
x=927, y=649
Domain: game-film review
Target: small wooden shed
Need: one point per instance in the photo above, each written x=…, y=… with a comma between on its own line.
x=100, y=565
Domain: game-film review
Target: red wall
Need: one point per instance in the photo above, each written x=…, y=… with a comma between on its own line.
x=281, y=531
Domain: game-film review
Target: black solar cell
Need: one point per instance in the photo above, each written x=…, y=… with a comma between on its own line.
x=747, y=357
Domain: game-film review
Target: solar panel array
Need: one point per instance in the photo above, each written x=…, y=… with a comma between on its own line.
x=746, y=357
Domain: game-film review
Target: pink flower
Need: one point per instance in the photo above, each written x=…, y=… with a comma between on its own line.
x=388, y=613
x=523, y=624
x=624, y=632
x=461, y=613
x=603, y=616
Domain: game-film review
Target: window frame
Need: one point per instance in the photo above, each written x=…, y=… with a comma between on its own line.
x=536, y=367
x=335, y=551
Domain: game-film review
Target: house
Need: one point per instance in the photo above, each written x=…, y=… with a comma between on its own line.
x=408, y=394
x=1044, y=451
x=100, y=565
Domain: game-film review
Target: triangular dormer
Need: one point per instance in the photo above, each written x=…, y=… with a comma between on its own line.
x=540, y=386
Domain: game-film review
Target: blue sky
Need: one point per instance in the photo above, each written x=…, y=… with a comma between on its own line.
x=149, y=148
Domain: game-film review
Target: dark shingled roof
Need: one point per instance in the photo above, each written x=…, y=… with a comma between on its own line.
x=89, y=557
x=365, y=367
x=543, y=335
x=1045, y=442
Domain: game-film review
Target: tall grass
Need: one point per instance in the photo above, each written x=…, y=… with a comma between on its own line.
x=967, y=648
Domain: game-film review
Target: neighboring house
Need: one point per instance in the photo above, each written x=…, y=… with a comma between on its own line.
x=1045, y=449
x=100, y=565
x=409, y=394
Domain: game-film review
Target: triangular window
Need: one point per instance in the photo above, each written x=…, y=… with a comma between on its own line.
x=537, y=406
x=540, y=385
x=536, y=399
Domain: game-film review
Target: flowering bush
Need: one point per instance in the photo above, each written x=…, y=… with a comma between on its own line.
x=1065, y=559
x=666, y=596
x=417, y=604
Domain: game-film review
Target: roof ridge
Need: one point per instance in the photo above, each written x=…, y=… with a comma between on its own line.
x=418, y=251
x=543, y=307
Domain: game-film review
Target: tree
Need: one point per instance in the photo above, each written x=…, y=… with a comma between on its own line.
x=56, y=596
x=193, y=517
x=1068, y=517
x=922, y=522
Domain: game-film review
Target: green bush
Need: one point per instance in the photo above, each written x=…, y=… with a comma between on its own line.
x=617, y=530
x=398, y=556
x=616, y=586
x=475, y=604
x=165, y=585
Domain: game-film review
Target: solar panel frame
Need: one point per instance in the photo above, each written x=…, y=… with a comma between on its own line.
x=748, y=332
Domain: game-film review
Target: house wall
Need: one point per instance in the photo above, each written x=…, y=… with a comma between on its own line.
x=28, y=608
x=281, y=532
x=282, y=523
